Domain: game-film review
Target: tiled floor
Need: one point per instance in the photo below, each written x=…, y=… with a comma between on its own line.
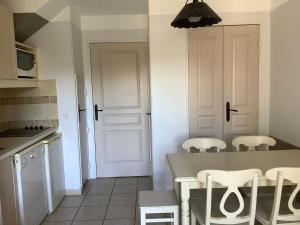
x=108, y=201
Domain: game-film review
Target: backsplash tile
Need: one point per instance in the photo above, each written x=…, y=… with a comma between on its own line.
x=30, y=123
x=53, y=99
x=28, y=100
x=3, y=126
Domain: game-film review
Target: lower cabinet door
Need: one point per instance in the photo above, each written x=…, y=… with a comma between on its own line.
x=8, y=194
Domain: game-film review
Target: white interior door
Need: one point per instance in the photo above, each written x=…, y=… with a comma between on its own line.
x=81, y=94
x=223, y=81
x=206, y=82
x=121, y=98
x=241, y=74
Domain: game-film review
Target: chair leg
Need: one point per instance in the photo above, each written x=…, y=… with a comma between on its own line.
x=176, y=216
x=193, y=218
x=143, y=216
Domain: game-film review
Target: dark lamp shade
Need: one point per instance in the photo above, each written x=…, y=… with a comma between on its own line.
x=196, y=14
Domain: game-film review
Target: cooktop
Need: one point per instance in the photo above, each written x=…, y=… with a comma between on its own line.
x=23, y=132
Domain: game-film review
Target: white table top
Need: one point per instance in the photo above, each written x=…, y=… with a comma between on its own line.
x=185, y=166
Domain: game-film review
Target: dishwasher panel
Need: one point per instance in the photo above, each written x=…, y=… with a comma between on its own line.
x=30, y=169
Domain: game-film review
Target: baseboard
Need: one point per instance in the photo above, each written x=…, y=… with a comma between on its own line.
x=74, y=192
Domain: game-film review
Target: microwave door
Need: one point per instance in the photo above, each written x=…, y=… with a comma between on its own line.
x=26, y=64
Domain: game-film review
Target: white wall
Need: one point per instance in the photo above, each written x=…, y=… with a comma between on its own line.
x=123, y=28
x=168, y=66
x=285, y=72
x=77, y=42
x=54, y=42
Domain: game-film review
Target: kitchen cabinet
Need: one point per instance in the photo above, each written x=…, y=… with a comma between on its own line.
x=8, y=193
x=7, y=45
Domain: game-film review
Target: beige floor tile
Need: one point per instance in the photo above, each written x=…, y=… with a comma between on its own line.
x=126, y=180
x=57, y=223
x=63, y=214
x=88, y=222
x=145, y=180
x=91, y=213
x=72, y=201
x=104, y=181
x=124, y=189
x=87, y=187
x=144, y=187
x=123, y=199
x=101, y=190
x=120, y=212
x=96, y=200
x=119, y=222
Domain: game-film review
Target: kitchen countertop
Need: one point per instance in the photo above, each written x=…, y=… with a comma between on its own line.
x=13, y=145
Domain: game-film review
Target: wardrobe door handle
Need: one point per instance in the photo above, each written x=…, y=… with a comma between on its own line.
x=228, y=111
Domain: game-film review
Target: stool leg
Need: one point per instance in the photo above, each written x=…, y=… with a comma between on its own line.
x=176, y=216
x=143, y=216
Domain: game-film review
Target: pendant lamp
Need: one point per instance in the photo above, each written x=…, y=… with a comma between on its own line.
x=195, y=14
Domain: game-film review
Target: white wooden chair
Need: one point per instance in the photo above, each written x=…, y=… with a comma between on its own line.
x=158, y=202
x=215, y=210
x=253, y=141
x=280, y=208
x=203, y=144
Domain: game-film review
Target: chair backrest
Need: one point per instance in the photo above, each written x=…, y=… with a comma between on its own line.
x=279, y=175
x=231, y=180
x=203, y=144
x=253, y=141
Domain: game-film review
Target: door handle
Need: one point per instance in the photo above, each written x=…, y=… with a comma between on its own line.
x=228, y=111
x=96, y=112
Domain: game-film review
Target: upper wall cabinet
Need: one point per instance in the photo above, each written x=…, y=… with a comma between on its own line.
x=7, y=45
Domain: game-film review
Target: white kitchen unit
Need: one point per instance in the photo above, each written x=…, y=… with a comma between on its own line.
x=8, y=195
x=55, y=178
x=31, y=183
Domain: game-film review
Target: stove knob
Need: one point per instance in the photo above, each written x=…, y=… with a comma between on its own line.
x=36, y=127
x=26, y=128
x=31, y=128
x=41, y=127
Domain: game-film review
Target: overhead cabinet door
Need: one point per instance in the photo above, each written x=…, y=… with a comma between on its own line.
x=7, y=45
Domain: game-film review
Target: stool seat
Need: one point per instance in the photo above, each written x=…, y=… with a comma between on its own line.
x=157, y=198
x=158, y=202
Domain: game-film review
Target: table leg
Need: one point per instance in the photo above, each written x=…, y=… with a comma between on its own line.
x=185, y=207
x=176, y=188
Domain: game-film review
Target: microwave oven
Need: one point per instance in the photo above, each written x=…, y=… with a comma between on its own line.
x=26, y=64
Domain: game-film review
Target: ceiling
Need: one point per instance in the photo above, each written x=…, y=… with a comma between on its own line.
x=110, y=7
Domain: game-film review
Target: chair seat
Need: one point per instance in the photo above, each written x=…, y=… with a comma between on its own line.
x=197, y=193
x=265, y=205
x=198, y=207
x=157, y=198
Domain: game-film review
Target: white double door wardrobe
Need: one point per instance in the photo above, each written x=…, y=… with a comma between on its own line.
x=223, y=81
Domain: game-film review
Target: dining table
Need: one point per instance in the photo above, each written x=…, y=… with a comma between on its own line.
x=186, y=166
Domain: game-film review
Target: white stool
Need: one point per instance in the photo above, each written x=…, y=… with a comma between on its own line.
x=158, y=202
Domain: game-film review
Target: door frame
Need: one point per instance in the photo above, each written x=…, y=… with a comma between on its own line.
x=88, y=39
x=262, y=20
